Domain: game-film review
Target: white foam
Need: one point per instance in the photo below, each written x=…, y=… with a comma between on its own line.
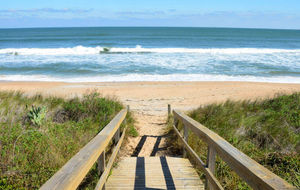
x=142, y=77
x=78, y=50
x=81, y=50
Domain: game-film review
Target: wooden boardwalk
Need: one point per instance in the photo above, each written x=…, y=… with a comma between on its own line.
x=160, y=172
x=154, y=173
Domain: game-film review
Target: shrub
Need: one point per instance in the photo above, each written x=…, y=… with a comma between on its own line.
x=37, y=115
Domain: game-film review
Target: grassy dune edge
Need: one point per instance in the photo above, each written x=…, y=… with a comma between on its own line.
x=38, y=135
x=268, y=131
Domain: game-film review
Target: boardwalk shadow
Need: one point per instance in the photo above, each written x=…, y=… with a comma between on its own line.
x=141, y=143
x=140, y=174
x=139, y=147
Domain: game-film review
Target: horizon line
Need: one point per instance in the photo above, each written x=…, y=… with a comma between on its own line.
x=45, y=27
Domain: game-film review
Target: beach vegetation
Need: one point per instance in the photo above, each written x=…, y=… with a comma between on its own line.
x=36, y=115
x=39, y=134
x=265, y=130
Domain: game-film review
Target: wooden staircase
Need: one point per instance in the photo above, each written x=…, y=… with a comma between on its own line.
x=154, y=173
x=161, y=172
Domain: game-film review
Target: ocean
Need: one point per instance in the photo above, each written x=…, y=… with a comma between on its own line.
x=100, y=54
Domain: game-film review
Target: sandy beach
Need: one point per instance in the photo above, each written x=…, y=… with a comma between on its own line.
x=148, y=100
x=151, y=98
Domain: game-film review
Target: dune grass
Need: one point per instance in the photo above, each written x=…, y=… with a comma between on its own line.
x=268, y=131
x=38, y=135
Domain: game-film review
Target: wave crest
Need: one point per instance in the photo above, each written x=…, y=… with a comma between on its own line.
x=81, y=50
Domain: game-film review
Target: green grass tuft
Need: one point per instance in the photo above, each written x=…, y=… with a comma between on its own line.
x=131, y=130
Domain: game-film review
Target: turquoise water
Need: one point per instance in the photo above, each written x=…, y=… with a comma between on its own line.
x=149, y=54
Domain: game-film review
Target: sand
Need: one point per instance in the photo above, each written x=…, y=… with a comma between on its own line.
x=149, y=100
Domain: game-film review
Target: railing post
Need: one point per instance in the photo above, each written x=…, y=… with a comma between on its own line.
x=185, y=137
x=128, y=108
x=117, y=136
x=211, y=164
x=101, y=165
x=169, y=110
x=175, y=121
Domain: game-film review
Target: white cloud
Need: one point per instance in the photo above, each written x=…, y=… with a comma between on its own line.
x=43, y=12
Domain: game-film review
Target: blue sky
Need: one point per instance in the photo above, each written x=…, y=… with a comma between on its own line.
x=196, y=13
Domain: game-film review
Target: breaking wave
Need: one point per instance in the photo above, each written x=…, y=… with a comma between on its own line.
x=81, y=50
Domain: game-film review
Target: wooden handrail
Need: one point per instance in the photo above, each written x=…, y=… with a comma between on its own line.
x=209, y=175
x=104, y=175
x=73, y=172
x=257, y=176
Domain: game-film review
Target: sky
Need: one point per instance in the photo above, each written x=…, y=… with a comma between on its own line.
x=284, y=14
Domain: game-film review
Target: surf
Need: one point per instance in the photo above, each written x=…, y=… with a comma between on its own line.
x=82, y=50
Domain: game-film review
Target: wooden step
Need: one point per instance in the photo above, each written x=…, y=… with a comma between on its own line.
x=154, y=173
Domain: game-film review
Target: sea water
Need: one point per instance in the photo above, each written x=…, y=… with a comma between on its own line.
x=149, y=54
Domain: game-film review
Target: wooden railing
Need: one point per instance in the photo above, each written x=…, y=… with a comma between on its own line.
x=255, y=175
x=74, y=171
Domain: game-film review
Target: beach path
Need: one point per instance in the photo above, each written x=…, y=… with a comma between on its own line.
x=147, y=158
x=152, y=129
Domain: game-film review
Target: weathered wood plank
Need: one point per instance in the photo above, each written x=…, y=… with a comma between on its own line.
x=257, y=176
x=185, y=137
x=72, y=173
x=101, y=163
